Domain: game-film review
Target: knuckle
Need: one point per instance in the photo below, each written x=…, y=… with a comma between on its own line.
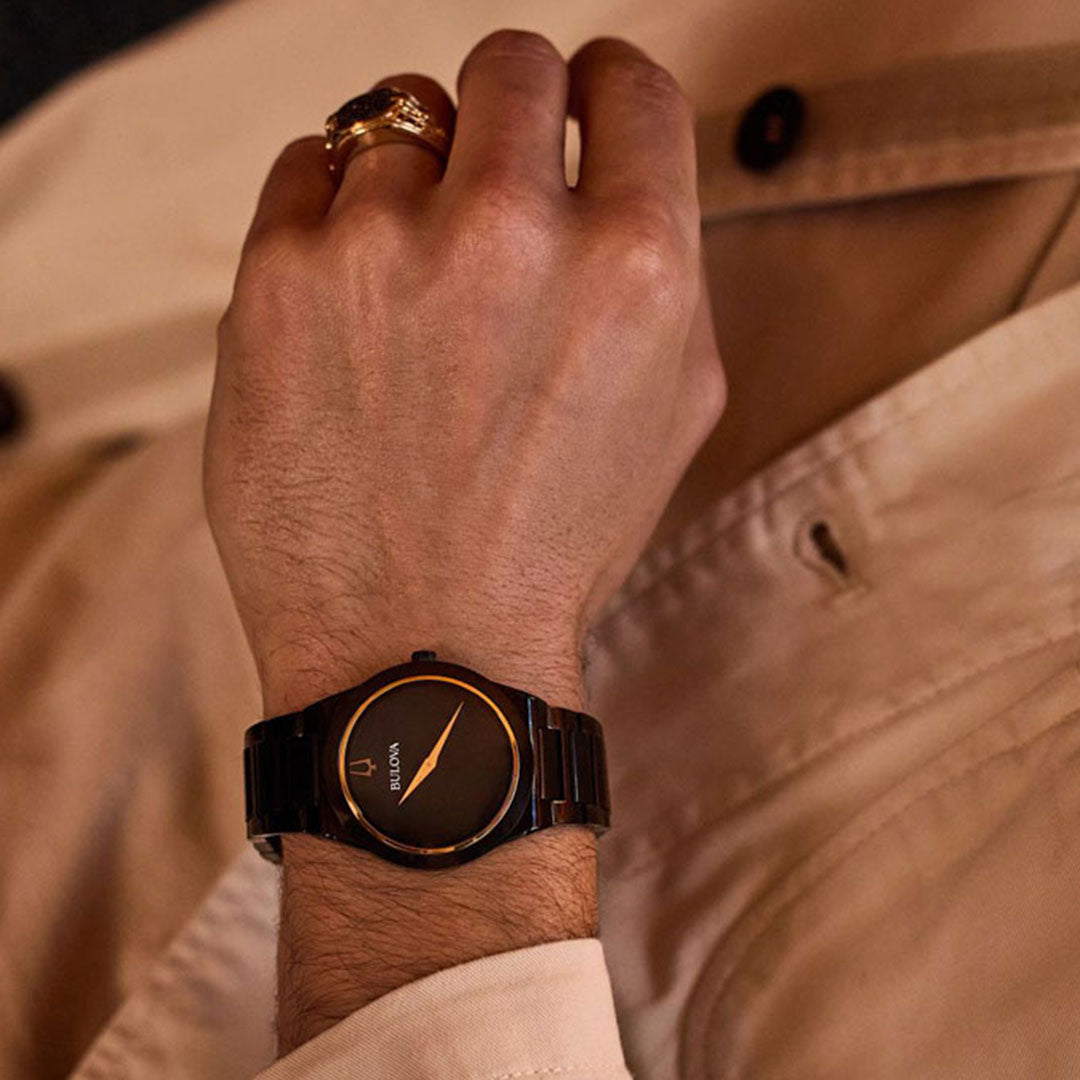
x=515, y=45
x=521, y=108
x=643, y=259
x=501, y=190
x=644, y=246
x=648, y=85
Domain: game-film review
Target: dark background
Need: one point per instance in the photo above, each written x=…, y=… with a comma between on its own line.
x=43, y=41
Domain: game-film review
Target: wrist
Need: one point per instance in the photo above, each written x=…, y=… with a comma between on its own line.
x=355, y=927
x=308, y=665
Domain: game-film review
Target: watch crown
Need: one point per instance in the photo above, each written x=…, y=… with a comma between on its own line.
x=423, y=654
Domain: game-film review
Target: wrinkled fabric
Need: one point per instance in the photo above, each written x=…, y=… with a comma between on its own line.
x=840, y=689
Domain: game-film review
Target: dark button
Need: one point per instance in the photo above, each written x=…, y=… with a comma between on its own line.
x=770, y=129
x=423, y=654
x=12, y=416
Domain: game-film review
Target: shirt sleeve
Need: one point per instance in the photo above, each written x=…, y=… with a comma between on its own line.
x=543, y=1011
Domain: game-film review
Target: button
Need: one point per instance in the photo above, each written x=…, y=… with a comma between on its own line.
x=423, y=654
x=770, y=129
x=11, y=412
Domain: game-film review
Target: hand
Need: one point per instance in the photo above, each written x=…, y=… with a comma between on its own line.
x=449, y=409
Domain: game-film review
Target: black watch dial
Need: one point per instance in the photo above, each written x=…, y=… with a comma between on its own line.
x=429, y=764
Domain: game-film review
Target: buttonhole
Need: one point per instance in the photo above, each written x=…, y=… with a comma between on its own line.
x=827, y=547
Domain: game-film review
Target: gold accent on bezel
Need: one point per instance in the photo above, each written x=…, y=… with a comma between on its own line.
x=358, y=813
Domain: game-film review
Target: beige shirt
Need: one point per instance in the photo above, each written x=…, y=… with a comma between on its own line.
x=840, y=689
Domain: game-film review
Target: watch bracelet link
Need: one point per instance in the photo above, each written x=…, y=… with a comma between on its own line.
x=571, y=770
x=281, y=769
x=281, y=766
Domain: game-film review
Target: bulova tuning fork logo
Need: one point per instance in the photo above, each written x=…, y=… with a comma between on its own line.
x=362, y=767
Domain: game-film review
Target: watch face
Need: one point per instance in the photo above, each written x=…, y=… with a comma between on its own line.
x=429, y=764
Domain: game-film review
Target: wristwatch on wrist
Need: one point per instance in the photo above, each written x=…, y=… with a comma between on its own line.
x=427, y=764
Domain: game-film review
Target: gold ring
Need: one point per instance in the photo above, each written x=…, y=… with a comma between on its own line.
x=383, y=115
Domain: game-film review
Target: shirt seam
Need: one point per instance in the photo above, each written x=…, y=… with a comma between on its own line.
x=827, y=166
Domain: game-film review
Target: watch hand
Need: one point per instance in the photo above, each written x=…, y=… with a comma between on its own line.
x=421, y=773
x=427, y=766
x=437, y=750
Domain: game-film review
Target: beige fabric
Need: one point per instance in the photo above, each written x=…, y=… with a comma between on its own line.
x=535, y=1011
x=846, y=803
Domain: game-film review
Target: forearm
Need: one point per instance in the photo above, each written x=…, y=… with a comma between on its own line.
x=355, y=927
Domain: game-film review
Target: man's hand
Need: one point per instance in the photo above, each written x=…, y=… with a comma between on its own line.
x=449, y=411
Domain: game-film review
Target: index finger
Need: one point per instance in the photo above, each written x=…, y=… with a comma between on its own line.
x=297, y=190
x=637, y=129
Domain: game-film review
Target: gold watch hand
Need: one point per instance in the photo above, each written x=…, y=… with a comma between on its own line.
x=427, y=766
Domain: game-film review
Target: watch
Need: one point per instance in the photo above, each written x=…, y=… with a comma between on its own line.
x=428, y=764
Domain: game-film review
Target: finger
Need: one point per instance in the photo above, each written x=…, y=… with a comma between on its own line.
x=637, y=129
x=511, y=122
x=298, y=188
x=397, y=170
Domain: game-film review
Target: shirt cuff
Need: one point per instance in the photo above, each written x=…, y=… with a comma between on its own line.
x=544, y=1011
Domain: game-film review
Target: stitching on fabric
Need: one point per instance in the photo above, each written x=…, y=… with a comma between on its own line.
x=966, y=143
x=859, y=841
x=863, y=173
x=850, y=174
x=837, y=743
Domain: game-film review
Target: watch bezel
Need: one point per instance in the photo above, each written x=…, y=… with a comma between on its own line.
x=337, y=816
